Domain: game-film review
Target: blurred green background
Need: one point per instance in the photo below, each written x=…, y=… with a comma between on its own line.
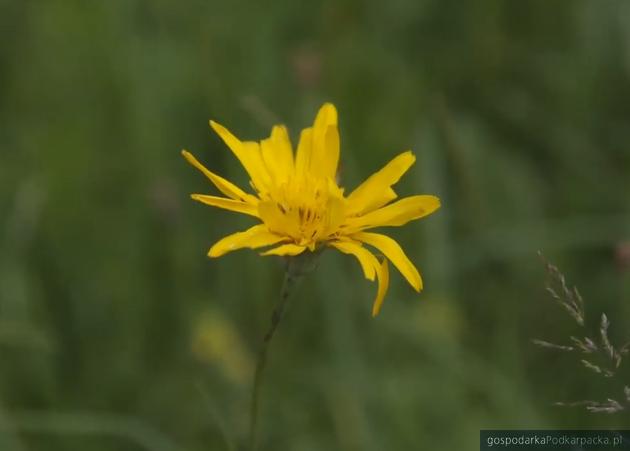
x=116, y=331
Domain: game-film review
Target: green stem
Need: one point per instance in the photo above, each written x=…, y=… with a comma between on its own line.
x=297, y=268
x=291, y=278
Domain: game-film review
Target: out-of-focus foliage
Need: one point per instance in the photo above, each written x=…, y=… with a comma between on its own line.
x=117, y=333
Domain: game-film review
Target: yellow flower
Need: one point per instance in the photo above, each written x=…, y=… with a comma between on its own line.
x=301, y=208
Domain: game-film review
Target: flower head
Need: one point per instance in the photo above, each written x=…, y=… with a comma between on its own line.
x=301, y=208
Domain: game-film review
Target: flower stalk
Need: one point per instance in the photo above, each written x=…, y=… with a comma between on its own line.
x=296, y=268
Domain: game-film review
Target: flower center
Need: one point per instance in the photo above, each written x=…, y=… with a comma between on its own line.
x=306, y=209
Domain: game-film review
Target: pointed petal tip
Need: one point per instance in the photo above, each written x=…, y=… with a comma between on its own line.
x=383, y=285
x=279, y=128
x=437, y=202
x=329, y=112
x=213, y=252
x=407, y=158
x=418, y=284
x=218, y=128
x=410, y=155
x=188, y=156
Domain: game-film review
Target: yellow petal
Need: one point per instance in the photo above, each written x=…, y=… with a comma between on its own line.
x=392, y=250
x=280, y=136
x=371, y=267
x=383, y=284
x=364, y=256
x=254, y=237
x=396, y=214
x=318, y=149
x=285, y=249
x=325, y=142
x=304, y=153
x=225, y=186
x=326, y=116
x=248, y=153
x=227, y=204
x=335, y=214
x=376, y=191
x=277, y=154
